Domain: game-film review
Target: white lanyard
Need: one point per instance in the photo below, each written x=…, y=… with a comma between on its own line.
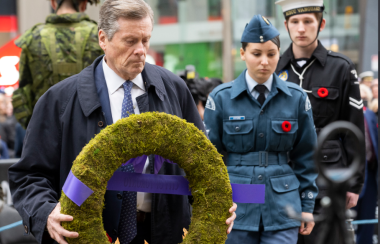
x=301, y=75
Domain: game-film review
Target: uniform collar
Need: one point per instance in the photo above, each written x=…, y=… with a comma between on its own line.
x=114, y=82
x=240, y=85
x=320, y=53
x=251, y=83
x=66, y=18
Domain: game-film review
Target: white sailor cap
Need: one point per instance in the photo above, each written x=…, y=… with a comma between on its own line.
x=293, y=7
x=366, y=74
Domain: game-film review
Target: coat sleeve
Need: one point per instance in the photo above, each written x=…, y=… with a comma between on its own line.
x=34, y=180
x=302, y=154
x=352, y=111
x=213, y=119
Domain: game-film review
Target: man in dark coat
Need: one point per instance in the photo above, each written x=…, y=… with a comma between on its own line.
x=72, y=112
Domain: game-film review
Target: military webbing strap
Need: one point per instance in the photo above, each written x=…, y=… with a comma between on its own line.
x=65, y=68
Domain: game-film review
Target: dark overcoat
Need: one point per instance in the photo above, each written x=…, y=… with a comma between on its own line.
x=65, y=119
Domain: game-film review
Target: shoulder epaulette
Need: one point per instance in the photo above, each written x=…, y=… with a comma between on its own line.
x=222, y=87
x=339, y=55
x=27, y=37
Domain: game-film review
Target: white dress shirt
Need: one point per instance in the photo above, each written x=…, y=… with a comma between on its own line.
x=116, y=96
x=251, y=84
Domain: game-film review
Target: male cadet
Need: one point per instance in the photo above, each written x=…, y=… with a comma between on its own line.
x=330, y=80
x=51, y=52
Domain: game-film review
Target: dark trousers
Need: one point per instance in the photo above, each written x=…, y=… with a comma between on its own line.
x=315, y=235
x=143, y=230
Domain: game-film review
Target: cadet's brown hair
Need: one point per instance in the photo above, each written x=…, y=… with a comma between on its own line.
x=112, y=10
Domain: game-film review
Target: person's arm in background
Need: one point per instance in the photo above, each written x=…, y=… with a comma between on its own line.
x=22, y=97
x=304, y=166
x=352, y=111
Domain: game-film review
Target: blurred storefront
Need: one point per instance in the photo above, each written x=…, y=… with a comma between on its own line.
x=190, y=31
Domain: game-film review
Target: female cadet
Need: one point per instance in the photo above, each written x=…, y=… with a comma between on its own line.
x=260, y=121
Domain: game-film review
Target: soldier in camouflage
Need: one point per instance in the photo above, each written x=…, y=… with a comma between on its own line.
x=51, y=52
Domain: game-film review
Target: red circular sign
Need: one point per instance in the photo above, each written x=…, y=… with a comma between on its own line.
x=323, y=92
x=286, y=126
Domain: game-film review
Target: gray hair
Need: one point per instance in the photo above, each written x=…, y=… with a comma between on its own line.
x=112, y=10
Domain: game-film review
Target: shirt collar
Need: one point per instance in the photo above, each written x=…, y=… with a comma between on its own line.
x=67, y=18
x=320, y=53
x=251, y=83
x=114, y=82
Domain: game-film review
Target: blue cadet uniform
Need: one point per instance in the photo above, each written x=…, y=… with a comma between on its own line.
x=259, y=140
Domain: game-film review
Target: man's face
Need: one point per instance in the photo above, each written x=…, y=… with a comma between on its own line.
x=261, y=60
x=303, y=28
x=367, y=81
x=126, y=52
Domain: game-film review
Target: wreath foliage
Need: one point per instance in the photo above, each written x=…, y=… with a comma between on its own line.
x=152, y=133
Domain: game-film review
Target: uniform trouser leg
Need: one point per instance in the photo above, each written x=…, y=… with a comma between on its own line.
x=288, y=236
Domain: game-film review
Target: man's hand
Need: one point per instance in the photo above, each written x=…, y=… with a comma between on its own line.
x=306, y=227
x=351, y=200
x=56, y=231
x=230, y=220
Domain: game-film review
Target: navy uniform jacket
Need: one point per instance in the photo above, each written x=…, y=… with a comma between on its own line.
x=65, y=119
x=257, y=146
x=337, y=74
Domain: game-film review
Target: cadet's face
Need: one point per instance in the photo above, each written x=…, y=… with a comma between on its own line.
x=126, y=52
x=261, y=60
x=303, y=28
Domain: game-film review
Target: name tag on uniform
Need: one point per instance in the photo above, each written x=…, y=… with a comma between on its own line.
x=237, y=117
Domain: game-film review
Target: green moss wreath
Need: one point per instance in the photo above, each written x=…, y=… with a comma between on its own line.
x=161, y=134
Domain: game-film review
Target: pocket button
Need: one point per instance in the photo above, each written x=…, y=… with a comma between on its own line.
x=237, y=128
x=260, y=177
x=261, y=135
x=286, y=186
x=325, y=157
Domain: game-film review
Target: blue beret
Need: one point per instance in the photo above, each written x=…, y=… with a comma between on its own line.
x=259, y=30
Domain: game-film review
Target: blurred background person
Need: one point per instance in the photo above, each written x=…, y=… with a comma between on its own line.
x=7, y=124
x=366, y=78
x=374, y=88
x=368, y=197
x=51, y=52
x=365, y=94
x=199, y=87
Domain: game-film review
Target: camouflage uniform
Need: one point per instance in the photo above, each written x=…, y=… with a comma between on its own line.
x=51, y=52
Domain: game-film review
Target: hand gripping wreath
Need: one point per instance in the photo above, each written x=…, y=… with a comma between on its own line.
x=152, y=133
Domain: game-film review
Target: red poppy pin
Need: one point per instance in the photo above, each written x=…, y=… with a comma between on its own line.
x=286, y=126
x=323, y=92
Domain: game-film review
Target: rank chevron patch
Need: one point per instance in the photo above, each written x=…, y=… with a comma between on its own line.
x=356, y=103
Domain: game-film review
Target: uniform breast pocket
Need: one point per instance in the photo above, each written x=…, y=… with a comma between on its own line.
x=324, y=101
x=238, y=135
x=283, y=132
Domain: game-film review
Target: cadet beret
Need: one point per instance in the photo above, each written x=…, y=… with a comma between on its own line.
x=259, y=30
x=293, y=7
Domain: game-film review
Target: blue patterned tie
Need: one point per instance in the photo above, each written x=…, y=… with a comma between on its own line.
x=127, y=224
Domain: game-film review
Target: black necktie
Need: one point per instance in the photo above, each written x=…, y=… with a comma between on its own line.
x=261, y=89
